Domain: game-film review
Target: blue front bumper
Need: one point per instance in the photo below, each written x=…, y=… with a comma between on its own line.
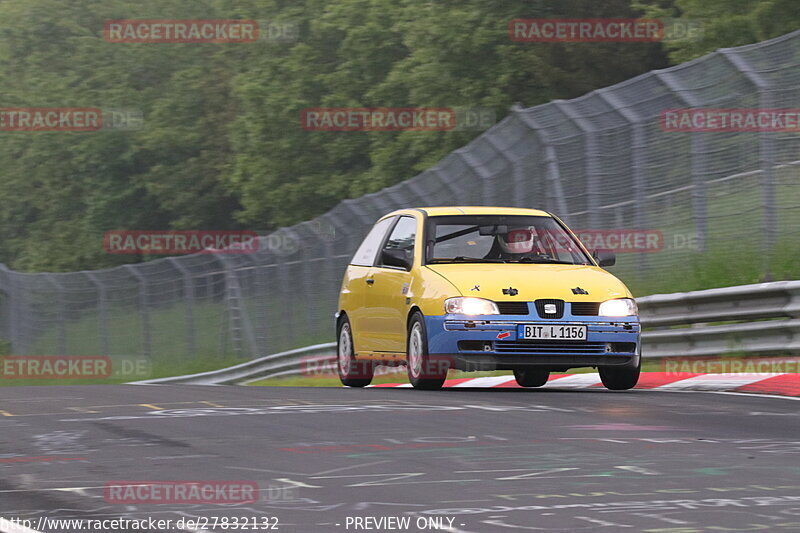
x=490, y=342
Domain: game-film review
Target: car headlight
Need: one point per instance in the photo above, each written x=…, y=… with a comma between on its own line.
x=621, y=307
x=470, y=306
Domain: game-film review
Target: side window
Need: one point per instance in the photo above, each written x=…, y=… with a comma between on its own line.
x=403, y=236
x=365, y=255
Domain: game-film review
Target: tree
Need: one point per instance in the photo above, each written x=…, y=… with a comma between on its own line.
x=725, y=23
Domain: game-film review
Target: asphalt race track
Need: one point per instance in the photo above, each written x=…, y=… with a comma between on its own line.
x=470, y=460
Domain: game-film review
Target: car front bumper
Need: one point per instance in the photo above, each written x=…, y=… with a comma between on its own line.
x=491, y=343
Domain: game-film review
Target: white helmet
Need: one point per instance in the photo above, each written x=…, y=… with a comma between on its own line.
x=517, y=240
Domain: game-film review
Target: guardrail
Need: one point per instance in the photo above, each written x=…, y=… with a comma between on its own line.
x=766, y=320
x=765, y=316
x=271, y=366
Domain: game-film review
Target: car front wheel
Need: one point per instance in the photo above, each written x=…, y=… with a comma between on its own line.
x=422, y=372
x=352, y=373
x=531, y=377
x=621, y=377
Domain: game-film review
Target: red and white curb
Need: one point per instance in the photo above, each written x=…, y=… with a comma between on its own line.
x=762, y=383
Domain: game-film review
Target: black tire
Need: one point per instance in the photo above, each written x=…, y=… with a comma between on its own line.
x=621, y=377
x=422, y=372
x=531, y=376
x=352, y=373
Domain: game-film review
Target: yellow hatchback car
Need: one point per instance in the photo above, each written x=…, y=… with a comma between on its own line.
x=483, y=288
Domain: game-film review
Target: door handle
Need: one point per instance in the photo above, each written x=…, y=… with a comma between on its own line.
x=370, y=281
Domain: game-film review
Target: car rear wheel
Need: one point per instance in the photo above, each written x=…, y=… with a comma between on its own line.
x=621, y=377
x=531, y=377
x=422, y=372
x=352, y=373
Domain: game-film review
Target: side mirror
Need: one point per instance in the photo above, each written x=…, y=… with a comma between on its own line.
x=605, y=257
x=396, y=258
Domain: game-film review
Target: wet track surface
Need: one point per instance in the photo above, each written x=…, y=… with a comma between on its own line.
x=475, y=460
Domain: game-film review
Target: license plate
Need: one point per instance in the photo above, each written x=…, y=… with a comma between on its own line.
x=550, y=331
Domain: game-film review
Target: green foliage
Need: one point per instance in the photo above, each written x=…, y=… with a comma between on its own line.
x=725, y=23
x=222, y=146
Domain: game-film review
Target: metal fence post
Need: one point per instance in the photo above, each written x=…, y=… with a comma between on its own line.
x=487, y=191
x=555, y=196
x=8, y=318
x=513, y=168
x=766, y=152
x=699, y=160
x=455, y=192
x=147, y=336
x=102, y=310
x=62, y=315
x=589, y=132
x=554, y=178
x=638, y=145
x=188, y=297
x=234, y=301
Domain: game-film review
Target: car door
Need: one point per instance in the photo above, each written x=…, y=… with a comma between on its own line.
x=357, y=281
x=385, y=323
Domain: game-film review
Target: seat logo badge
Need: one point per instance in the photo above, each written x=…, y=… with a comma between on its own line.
x=550, y=309
x=578, y=290
x=404, y=290
x=511, y=291
x=476, y=288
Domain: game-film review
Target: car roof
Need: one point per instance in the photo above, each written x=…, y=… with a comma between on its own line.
x=470, y=210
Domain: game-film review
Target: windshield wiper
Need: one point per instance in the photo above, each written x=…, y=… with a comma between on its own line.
x=542, y=260
x=464, y=259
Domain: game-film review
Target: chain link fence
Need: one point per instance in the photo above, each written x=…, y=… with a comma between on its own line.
x=602, y=162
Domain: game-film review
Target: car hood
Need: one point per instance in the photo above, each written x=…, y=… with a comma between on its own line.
x=532, y=281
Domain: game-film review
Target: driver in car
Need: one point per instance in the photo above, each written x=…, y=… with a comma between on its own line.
x=527, y=244
x=515, y=244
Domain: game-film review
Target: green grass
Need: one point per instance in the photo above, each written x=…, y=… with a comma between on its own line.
x=168, y=332
x=734, y=253
x=137, y=368
x=171, y=353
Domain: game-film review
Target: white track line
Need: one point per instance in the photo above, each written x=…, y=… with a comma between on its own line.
x=715, y=382
x=491, y=381
x=574, y=381
x=749, y=394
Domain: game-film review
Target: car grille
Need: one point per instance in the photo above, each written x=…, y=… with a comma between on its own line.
x=559, y=308
x=585, y=308
x=513, y=308
x=575, y=348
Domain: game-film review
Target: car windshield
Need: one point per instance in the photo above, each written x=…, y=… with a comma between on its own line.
x=501, y=239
